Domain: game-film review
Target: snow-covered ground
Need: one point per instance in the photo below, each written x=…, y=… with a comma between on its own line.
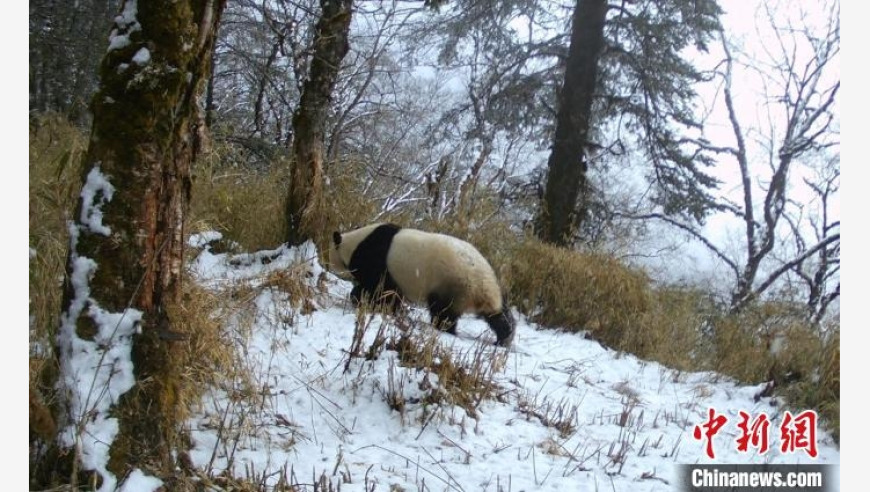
x=571, y=414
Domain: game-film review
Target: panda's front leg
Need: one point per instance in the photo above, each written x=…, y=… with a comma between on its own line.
x=446, y=322
x=443, y=318
x=356, y=294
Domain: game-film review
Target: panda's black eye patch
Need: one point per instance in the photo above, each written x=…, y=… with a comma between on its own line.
x=336, y=238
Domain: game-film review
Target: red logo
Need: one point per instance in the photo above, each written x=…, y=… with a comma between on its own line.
x=799, y=433
x=712, y=426
x=796, y=432
x=754, y=434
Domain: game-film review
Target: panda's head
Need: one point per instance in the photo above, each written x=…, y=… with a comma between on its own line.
x=345, y=244
x=339, y=257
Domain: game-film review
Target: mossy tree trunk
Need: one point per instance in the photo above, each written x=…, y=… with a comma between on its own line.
x=560, y=212
x=304, y=199
x=130, y=226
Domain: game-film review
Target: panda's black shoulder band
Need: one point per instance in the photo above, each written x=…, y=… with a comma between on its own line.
x=368, y=262
x=388, y=228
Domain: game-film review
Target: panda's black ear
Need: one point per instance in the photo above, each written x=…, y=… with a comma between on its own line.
x=336, y=238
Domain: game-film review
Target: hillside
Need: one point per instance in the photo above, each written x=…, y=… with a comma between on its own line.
x=556, y=412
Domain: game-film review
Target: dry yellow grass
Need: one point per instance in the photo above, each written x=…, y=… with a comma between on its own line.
x=246, y=207
x=55, y=151
x=577, y=291
x=671, y=330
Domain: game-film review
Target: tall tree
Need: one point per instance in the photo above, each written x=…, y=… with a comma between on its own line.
x=798, y=72
x=807, y=103
x=805, y=90
x=127, y=240
x=304, y=198
x=617, y=83
x=567, y=165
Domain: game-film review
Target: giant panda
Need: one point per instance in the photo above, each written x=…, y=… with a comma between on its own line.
x=445, y=274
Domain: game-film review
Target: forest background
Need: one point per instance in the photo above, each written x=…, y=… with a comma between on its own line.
x=448, y=188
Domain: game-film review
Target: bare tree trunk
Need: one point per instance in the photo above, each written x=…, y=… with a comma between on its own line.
x=304, y=200
x=127, y=241
x=820, y=278
x=462, y=203
x=809, y=117
x=802, y=93
x=566, y=175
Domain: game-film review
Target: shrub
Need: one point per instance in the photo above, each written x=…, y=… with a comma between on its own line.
x=773, y=341
x=246, y=206
x=577, y=291
x=671, y=330
x=56, y=152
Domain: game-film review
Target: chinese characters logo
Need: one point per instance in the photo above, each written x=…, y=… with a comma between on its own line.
x=796, y=432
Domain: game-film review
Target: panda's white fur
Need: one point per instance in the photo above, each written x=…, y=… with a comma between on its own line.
x=447, y=274
x=339, y=254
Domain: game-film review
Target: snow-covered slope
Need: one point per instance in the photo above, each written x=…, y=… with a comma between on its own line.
x=570, y=414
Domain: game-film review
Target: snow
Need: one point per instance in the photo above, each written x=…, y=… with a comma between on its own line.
x=201, y=240
x=626, y=424
x=96, y=191
x=139, y=482
x=127, y=17
x=142, y=57
x=118, y=41
x=95, y=372
x=125, y=24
